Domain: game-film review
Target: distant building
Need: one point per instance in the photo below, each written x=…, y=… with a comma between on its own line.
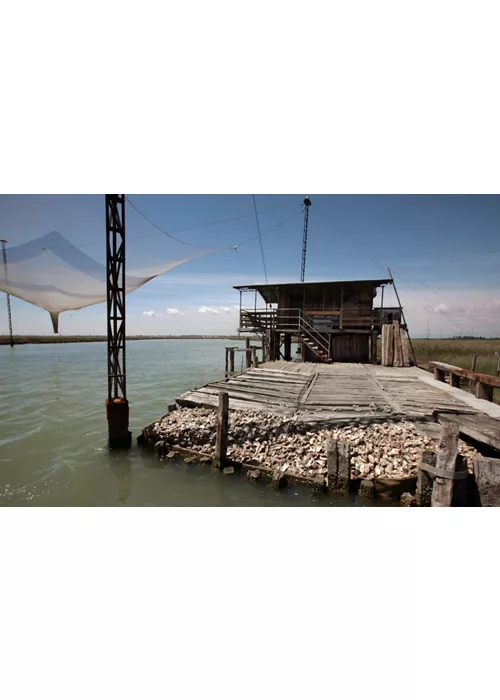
x=332, y=321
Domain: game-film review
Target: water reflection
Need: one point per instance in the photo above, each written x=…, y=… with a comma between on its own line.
x=121, y=468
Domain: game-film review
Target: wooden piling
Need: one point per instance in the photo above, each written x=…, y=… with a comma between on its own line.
x=338, y=464
x=226, y=363
x=222, y=427
x=424, y=480
x=255, y=359
x=287, y=347
x=231, y=360
x=487, y=480
x=446, y=461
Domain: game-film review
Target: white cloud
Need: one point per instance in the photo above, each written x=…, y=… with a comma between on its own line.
x=208, y=310
x=441, y=309
x=174, y=312
x=151, y=314
x=225, y=309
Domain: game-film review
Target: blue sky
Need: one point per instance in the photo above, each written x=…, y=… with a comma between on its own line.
x=444, y=252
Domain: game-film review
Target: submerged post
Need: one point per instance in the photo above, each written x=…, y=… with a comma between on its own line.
x=117, y=408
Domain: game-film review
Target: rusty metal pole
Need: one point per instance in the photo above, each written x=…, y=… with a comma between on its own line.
x=9, y=313
x=117, y=409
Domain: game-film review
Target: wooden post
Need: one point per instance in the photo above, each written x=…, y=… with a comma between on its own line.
x=383, y=344
x=255, y=361
x=231, y=360
x=424, y=480
x=439, y=374
x=248, y=353
x=338, y=463
x=455, y=380
x=398, y=350
x=484, y=391
x=222, y=423
x=288, y=347
x=264, y=349
x=498, y=368
x=473, y=369
x=374, y=347
x=460, y=485
x=442, y=491
x=226, y=362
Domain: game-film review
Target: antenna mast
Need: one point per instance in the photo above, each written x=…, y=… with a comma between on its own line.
x=4, y=253
x=307, y=204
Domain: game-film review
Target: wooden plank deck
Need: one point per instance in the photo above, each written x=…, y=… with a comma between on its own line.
x=319, y=392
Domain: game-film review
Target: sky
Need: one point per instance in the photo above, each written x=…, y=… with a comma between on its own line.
x=443, y=251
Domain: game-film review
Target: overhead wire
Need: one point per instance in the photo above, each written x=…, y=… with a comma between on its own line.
x=362, y=247
x=260, y=238
x=170, y=234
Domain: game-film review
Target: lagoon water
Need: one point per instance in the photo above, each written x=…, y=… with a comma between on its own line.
x=53, y=430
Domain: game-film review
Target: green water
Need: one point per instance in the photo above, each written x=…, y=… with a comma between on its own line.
x=53, y=431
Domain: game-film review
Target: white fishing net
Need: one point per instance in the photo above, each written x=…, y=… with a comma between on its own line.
x=61, y=273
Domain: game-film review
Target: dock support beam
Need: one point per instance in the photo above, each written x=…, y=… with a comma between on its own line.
x=288, y=347
x=248, y=353
x=117, y=408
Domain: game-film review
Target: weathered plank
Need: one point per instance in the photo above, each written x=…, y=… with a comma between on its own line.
x=390, y=345
x=405, y=345
x=398, y=350
x=478, y=427
x=487, y=379
x=384, y=341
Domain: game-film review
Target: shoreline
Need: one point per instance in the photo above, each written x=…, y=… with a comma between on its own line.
x=42, y=339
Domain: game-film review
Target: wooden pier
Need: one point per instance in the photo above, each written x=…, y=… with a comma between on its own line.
x=352, y=396
x=349, y=391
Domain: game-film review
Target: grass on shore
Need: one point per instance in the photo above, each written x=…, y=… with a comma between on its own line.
x=460, y=353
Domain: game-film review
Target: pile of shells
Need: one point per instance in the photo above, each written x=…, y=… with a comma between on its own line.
x=388, y=450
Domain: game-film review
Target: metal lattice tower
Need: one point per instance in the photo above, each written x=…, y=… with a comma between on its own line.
x=9, y=312
x=307, y=204
x=117, y=404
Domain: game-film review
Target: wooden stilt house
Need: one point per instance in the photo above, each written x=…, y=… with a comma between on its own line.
x=331, y=321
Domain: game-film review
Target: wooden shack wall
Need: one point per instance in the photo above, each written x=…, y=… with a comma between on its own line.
x=353, y=295
x=350, y=347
